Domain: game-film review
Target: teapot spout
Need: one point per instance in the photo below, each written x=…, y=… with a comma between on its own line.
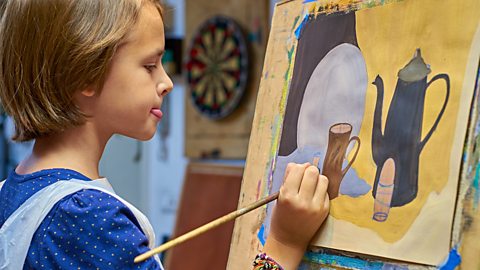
x=377, y=136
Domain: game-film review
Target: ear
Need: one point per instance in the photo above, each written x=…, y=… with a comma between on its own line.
x=88, y=92
x=85, y=99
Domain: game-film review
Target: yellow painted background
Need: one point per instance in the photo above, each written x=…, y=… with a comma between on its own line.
x=388, y=36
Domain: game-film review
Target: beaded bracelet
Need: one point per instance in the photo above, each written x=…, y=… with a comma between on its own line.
x=263, y=262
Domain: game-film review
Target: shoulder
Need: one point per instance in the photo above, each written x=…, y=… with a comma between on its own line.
x=99, y=213
x=96, y=205
x=89, y=228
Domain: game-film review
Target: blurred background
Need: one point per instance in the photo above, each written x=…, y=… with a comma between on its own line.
x=191, y=171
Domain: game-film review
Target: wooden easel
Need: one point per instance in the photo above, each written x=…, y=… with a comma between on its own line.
x=264, y=144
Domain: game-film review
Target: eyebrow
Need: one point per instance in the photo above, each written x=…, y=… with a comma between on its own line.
x=156, y=53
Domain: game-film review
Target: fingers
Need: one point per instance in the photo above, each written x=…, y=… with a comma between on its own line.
x=293, y=178
x=321, y=195
x=309, y=183
x=302, y=206
x=325, y=209
x=305, y=181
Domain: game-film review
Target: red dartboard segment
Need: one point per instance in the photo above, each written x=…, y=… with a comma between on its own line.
x=217, y=67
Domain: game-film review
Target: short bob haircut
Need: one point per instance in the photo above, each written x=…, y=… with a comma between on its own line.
x=50, y=49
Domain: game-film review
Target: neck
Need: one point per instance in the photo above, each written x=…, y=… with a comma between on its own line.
x=79, y=148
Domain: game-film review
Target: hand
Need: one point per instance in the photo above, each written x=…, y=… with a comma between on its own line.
x=302, y=206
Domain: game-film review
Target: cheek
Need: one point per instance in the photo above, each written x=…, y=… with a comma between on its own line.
x=128, y=95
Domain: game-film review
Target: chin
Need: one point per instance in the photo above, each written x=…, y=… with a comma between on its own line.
x=141, y=136
x=145, y=137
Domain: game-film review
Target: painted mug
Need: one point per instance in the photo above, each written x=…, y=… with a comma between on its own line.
x=338, y=142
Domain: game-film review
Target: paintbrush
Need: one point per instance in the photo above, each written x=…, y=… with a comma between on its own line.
x=213, y=224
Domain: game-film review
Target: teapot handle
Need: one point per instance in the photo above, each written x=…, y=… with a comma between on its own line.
x=447, y=81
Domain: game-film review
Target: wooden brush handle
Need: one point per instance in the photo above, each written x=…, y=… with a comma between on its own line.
x=213, y=224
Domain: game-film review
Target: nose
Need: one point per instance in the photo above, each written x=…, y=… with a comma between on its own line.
x=165, y=86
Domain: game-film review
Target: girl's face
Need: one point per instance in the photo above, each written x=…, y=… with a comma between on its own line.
x=130, y=101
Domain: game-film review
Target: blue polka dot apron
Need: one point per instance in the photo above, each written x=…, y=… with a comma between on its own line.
x=17, y=232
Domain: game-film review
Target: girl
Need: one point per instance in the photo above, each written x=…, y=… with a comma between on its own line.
x=72, y=74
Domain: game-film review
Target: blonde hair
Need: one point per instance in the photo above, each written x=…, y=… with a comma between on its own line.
x=50, y=49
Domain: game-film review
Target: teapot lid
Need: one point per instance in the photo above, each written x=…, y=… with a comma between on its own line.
x=415, y=70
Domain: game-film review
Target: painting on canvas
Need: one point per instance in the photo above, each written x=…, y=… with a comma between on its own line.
x=378, y=98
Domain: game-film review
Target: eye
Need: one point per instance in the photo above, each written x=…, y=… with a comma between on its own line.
x=150, y=67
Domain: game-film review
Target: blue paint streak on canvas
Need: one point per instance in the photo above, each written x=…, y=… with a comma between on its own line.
x=476, y=187
x=261, y=235
x=452, y=261
x=308, y=1
x=298, y=31
x=343, y=261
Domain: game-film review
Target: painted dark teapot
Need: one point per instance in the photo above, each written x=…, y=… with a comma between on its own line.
x=401, y=140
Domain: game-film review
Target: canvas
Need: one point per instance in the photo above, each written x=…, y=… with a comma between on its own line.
x=378, y=97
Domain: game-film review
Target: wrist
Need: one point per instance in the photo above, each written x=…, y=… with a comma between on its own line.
x=264, y=262
x=288, y=256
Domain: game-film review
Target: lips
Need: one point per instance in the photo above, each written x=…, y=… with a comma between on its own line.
x=157, y=112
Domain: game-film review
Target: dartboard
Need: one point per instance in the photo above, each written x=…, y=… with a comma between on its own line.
x=217, y=67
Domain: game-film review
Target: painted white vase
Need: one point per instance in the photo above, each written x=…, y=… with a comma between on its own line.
x=335, y=93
